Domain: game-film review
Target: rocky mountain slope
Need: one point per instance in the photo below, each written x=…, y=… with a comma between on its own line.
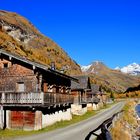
x=110, y=80
x=19, y=36
x=132, y=69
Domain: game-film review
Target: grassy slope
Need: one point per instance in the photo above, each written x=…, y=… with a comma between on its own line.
x=126, y=126
x=113, y=80
x=39, y=48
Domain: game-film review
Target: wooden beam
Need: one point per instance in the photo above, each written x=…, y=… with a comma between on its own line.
x=1, y=120
x=40, y=82
x=4, y=122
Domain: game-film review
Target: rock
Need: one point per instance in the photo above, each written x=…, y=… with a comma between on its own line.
x=138, y=120
x=138, y=131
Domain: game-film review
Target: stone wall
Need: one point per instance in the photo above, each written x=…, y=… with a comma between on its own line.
x=78, y=110
x=38, y=120
x=1, y=117
x=50, y=119
x=95, y=106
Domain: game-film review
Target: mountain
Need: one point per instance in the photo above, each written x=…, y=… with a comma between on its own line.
x=132, y=69
x=108, y=79
x=94, y=68
x=19, y=36
x=133, y=89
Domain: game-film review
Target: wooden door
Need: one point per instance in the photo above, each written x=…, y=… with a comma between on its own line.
x=22, y=120
x=17, y=120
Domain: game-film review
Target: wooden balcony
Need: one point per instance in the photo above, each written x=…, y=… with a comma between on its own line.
x=85, y=100
x=89, y=100
x=22, y=98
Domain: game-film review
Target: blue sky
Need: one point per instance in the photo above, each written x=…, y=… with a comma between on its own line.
x=88, y=30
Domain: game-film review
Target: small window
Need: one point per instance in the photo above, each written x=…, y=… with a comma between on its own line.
x=20, y=87
x=5, y=65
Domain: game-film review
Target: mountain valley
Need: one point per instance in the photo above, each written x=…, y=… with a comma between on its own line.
x=19, y=36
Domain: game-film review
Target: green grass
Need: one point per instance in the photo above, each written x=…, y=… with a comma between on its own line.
x=7, y=134
x=129, y=112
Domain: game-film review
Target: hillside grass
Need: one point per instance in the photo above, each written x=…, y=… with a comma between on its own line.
x=128, y=95
x=112, y=80
x=39, y=48
x=124, y=127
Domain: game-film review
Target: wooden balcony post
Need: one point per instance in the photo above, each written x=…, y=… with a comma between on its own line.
x=55, y=97
x=42, y=98
x=3, y=98
x=40, y=83
x=84, y=95
x=79, y=93
x=1, y=117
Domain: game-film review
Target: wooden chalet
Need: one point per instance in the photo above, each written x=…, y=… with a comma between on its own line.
x=82, y=91
x=97, y=91
x=27, y=87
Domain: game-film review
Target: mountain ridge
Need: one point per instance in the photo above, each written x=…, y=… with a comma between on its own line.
x=19, y=36
x=109, y=79
x=132, y=69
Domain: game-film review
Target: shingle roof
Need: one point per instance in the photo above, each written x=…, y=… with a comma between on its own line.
x=94, y=88
x=82, y=84
x=35, y=64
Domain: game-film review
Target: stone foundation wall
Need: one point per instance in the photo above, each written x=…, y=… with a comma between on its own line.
x=95, y=106
x=38, y=120
x=78, y=110
x=1, y=117
x=89, y=107
x=50, y=119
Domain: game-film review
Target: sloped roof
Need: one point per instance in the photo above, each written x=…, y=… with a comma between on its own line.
x=35, y=64
x=83, y=82
x=23, y=59
x=94, y=88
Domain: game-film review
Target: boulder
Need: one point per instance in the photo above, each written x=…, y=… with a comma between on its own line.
x=138, y=131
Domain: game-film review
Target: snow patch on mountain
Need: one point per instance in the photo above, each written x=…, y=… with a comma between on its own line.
x=132, y=69
x=92, y=68
x=85, y=68
x=117, y=68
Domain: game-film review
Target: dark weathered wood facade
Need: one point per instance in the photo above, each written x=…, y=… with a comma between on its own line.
x=26, y=82
x=82, y=91
x=26, y=86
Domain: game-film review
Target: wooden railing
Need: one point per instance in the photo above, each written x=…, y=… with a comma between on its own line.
x=56, y=98
x=48, y=98
x=85, y=100
x=20, y=98
x=34, y=98
x=90, y=100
